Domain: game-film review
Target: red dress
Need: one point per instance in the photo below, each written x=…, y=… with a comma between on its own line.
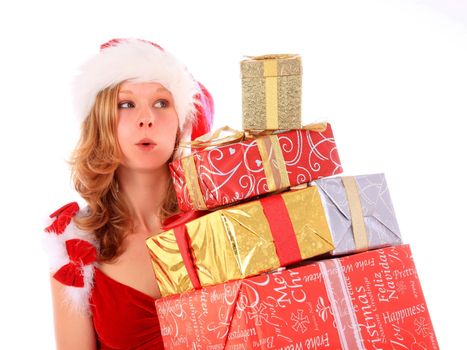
x=124, y=318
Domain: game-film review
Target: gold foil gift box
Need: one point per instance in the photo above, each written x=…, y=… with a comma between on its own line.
x=240, y=241
x=271, y=92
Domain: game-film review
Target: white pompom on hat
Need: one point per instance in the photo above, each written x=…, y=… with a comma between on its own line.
x=143, y=61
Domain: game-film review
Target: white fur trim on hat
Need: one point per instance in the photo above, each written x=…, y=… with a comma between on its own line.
x=139, y=61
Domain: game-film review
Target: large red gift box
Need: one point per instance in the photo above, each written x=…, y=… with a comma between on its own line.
x=371, y=300
x=231, y=173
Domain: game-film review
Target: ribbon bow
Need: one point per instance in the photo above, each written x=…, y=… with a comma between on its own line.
x=220, y=137
x=62, y=217
x=81, y=253
x=227, y=135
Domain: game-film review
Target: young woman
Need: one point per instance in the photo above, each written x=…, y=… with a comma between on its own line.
x=137, y=103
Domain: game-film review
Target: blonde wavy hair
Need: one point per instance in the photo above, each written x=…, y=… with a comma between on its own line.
x=94, y=162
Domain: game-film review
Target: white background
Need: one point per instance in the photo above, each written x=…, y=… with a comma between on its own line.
x=391, y=76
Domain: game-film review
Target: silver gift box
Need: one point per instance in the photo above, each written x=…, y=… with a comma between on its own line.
x=376, y=206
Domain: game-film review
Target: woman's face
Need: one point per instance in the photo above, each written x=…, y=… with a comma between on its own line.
x=147, y=125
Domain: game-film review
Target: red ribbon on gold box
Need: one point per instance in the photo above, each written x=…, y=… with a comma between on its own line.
x=240, y=241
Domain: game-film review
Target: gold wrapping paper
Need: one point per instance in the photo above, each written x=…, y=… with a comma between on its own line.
x=171, y=274
x=309, y=221
x=236, y=242
x=271, y=92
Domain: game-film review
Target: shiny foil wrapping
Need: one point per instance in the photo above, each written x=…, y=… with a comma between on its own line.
x=237, y=242
x=169, y=268
x=271, y=92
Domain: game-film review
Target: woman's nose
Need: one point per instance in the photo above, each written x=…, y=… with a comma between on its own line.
x=145, y=122
x=146, y=118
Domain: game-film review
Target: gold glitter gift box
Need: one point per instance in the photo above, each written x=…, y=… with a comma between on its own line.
x=271, y=92
x=240, y=241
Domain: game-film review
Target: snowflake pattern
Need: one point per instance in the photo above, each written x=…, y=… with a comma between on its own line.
x=401, y=287
x=300, y=321
x=421, y=327
x=258, y=314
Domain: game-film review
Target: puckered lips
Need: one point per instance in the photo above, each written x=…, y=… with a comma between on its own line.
x=146, y=144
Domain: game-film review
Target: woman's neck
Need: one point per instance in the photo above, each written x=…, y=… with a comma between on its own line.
x=145, y=192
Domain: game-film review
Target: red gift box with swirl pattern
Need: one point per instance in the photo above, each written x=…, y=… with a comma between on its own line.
x=231, y=173
x=370, y=300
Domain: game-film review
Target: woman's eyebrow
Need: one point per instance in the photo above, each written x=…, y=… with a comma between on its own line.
x=163, y=89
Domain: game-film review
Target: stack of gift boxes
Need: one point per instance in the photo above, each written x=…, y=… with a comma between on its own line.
x=273, y=249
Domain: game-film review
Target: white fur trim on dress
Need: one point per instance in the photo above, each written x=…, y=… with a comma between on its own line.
x=139, y=61
x=54, y=245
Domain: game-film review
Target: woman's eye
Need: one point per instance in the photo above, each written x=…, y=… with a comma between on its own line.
x=161, y=103
x=123, y=105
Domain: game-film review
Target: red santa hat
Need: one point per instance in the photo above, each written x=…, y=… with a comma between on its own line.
x=143, y=61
